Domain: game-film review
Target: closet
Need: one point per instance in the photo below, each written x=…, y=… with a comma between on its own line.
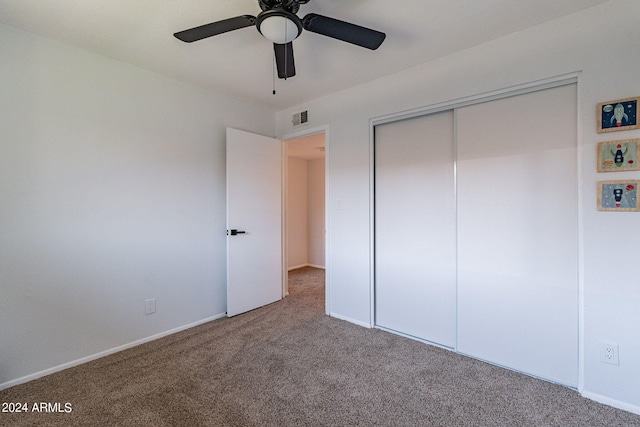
x=476, y=230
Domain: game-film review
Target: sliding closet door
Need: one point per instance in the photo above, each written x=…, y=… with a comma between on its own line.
x=517, y=233
x=415, y=228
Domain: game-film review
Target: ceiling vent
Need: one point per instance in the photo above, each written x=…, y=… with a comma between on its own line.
x=301, y=118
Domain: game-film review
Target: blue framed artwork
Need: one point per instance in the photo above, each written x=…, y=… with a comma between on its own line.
x=621, y=114
x=620, y=196
x=619, y=156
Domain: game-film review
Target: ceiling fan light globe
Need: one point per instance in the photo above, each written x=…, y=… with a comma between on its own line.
x=279, y=26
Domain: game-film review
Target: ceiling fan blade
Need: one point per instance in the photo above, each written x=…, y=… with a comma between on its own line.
x=215, y=28
x=345, y=31
x=284, y=60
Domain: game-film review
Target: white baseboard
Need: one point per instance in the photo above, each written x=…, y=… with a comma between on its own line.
x=104, y=353
x=611, y=402
x=355, y=322
x=321, y=267
x=306, y=265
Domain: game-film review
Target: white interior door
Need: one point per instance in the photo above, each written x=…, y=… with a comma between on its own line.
x=415, y=229
x=254, y=210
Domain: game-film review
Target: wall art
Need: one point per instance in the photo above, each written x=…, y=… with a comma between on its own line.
x=617, y=156
x=618, y=115
x=618, y=196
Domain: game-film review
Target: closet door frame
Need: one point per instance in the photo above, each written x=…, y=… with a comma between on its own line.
x=549, y=83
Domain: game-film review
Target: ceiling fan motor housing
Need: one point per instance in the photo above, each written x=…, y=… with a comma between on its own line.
x=289, y=5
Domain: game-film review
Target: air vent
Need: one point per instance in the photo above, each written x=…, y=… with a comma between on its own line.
x=300, y=118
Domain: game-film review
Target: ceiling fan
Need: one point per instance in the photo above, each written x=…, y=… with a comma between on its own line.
x=279, y=24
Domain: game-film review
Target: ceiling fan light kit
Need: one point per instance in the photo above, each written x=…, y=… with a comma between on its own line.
x=279, y=24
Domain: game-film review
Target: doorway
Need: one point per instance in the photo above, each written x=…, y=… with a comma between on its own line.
x=305, y=202
x=250, y=159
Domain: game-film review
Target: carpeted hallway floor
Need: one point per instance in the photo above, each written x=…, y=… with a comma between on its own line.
x=288, y=364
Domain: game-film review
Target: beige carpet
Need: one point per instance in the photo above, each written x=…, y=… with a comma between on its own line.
x=288, y=364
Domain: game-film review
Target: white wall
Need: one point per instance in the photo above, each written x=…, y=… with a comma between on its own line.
x=601, y=44
x=112, y=191
x=316, y=216
x=297, y=219
x=305, y=212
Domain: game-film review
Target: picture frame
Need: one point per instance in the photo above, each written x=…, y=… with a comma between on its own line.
x=619, y=156
x=617, y=115
x=618, y=196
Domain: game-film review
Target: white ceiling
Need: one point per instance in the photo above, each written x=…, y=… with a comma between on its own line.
x=240, y=63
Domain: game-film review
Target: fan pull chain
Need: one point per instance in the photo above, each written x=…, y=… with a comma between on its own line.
x=274, y=74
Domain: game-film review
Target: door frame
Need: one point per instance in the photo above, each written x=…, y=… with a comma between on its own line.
x=285, y=138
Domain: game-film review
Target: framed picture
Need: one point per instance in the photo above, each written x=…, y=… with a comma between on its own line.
x=617, y=156
x=620, y=114
x=618, y=196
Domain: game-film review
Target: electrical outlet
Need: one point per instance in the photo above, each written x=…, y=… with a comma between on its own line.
x=609, y=353
x=150, y=306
